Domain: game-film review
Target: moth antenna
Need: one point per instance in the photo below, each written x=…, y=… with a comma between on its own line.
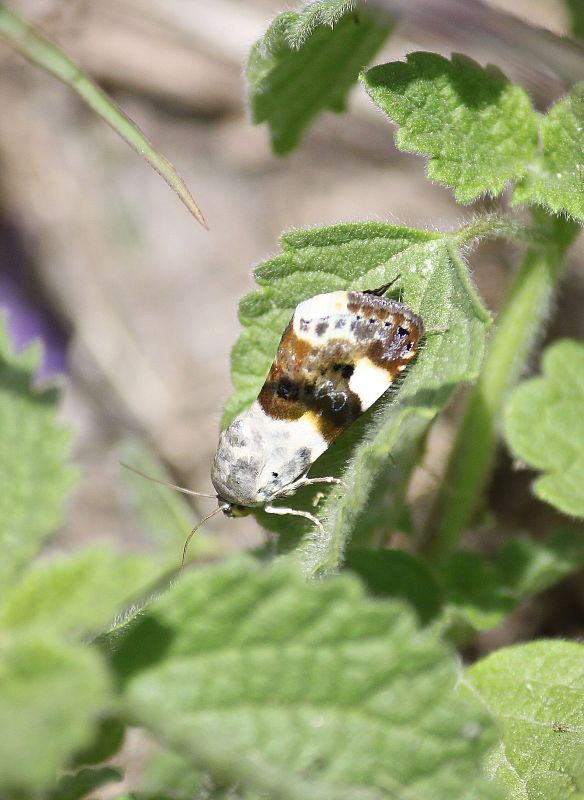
x=382, y=289
x=196, y=528
x=166, y=483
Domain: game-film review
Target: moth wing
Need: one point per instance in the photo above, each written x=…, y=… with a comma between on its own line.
x=340, y=352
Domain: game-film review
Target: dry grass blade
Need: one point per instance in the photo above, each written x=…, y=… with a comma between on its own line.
x=45, y=54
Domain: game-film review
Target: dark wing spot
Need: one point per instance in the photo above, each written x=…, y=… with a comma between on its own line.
x=321, y=328
x=341, y=322
x=372, y=321
x=346, y=370
x=287, y=389
x=274, y=474
x=402, y=331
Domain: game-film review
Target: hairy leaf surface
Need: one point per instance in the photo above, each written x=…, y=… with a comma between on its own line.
x=478, y=129
x=307, y=63
x=535, y=692
x=556, y=177
x=302, y=690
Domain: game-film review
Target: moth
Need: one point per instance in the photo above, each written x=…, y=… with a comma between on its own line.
x=339, y=353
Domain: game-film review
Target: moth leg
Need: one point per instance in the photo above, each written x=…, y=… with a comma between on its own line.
x=309, y=481
x=294, y=512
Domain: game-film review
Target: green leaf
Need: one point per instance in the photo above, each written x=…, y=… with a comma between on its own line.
x=74, y=595
x=84, y=782
x=544, y=426
x=307, y=62
x=167, y=774
x=399, y=575
x=526, y=566
x=45, y=54
x=479, y=130
x=576, y=10
x=50, y=697
x=241, y=685
x=434, y=282
x=107, y=740
x=475, y=597
x=556, y=177
x=478, y=594
x=535, y=692
x=34, y=477
x=468, y=593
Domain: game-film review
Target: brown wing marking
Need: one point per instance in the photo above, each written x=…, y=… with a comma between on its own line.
x=313, y=378
x=389, y=331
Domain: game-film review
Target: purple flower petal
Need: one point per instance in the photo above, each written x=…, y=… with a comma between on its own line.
x=29, y=317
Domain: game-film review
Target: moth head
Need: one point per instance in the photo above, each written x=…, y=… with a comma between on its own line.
x=233, y=509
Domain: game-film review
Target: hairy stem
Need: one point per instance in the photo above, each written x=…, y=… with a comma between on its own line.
x=518, y=327
x=494, y=225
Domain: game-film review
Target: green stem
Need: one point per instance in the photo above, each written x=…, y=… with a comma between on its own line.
x=494, y=225
x=518, y=327
x=36, y=48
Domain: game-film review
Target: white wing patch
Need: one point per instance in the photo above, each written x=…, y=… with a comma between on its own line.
x=322, y=311
x=368, y=382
